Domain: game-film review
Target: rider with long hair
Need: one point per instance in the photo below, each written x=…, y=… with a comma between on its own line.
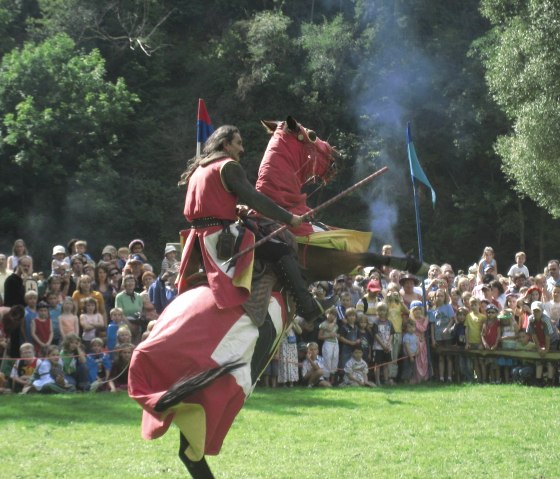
x=216, y=183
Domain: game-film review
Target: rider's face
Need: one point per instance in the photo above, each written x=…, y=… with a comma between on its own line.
x=235, y=148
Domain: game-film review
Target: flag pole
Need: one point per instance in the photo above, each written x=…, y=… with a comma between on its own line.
x=417, y=214
x=419, y=236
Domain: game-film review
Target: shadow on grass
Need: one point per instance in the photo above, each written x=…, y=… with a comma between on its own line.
x=290, y=401
x=102, y=408
x=119, y=409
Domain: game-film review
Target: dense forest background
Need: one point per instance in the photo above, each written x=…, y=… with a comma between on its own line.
x=98, y=114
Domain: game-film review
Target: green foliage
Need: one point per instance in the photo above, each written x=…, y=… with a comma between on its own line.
x=521, y=55
x=58, y=109
x=327, y=46
x=60, y=122
x=97, y=115
x=268, y=51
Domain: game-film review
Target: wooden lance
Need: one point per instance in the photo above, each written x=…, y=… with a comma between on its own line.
x=310, y=213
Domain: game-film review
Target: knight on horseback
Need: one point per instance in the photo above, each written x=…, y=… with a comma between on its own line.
x=216, y=183
x=208, y=349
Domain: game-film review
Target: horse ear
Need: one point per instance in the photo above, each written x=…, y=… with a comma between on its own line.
x=292, y=124
x=270, y=126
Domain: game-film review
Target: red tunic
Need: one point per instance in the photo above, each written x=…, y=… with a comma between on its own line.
x=42, y=331
x=491, y=333
x=207, y=197
x=538, y=327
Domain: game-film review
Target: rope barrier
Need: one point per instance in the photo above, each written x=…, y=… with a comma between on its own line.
x=106, y=351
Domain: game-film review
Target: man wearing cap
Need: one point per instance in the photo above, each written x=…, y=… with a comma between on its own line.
x=368, y=304
x=540, y=330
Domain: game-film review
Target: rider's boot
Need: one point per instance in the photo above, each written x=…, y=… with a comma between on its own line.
x=290, y=274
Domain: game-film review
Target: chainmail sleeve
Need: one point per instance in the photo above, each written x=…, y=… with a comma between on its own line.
x=235, y=180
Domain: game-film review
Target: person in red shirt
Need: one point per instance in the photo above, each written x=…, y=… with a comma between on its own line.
x=216, y=183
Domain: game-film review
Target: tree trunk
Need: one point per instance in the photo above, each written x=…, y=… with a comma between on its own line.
x=521, y=224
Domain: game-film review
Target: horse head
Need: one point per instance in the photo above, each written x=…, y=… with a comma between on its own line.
x=320, y=160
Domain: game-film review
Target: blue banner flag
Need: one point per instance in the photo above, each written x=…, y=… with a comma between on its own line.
x=204, y=126
x=416, y=170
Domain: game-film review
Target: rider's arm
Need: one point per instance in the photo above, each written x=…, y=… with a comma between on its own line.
x=235, y=180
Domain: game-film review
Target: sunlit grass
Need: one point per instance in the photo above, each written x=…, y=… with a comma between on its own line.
x=403, y=432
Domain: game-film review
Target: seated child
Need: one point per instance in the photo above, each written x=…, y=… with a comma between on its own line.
x=74, y=362
x=49, y=374
x=23, y=369
x=524, y=373
x=118, y=379
x=356, y=370
x=99, y=367
x=313, y=368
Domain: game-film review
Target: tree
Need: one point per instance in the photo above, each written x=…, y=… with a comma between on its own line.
x=522, y=59
x=60, y=130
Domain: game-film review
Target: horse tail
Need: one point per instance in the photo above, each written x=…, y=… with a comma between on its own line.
x=189, y=384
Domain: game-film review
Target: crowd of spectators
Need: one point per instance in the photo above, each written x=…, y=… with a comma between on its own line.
x=75, y=327
x=474, y=325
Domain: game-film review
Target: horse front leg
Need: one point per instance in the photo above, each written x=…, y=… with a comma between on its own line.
x=197, y=469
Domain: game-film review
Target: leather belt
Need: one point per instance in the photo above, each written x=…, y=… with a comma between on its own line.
x=208, y=221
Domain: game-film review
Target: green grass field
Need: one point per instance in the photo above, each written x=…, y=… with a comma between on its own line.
x=402, y=432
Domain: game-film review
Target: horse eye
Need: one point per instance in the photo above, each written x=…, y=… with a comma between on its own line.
x=312, y=135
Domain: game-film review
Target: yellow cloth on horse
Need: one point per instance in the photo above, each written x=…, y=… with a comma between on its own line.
x=191, y=420
x=344, y=240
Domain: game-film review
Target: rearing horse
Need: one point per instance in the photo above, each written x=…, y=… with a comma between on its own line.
x=200, y=363
x=296, y=156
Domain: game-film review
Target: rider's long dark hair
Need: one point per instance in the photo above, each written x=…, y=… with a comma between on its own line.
x=214, y=143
